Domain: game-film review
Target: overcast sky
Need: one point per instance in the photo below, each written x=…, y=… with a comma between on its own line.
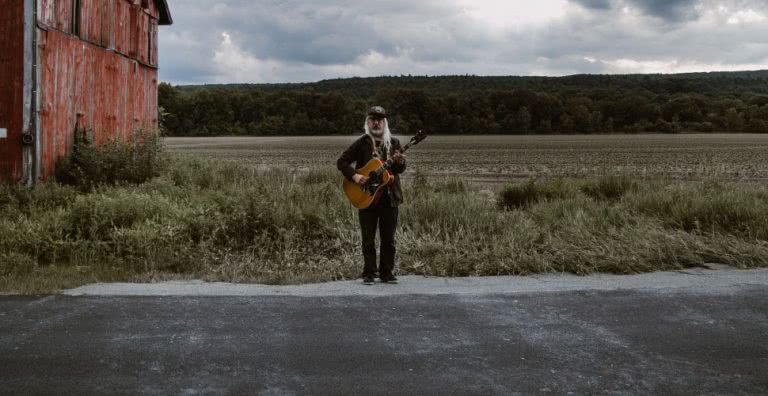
x=256, y=41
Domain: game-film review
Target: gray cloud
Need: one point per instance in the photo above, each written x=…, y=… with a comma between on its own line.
x=672, y=10
x=668, y=10
x=334, y=32
x=596, y=4
x=294, y=40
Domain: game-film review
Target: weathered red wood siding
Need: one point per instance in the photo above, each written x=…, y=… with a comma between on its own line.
x=105, y=79
x=125, y=26
x=11, y=87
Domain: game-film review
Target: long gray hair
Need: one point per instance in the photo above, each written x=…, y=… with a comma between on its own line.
x=386, y=137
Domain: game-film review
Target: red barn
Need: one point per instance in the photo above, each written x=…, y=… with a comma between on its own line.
x=68, y=64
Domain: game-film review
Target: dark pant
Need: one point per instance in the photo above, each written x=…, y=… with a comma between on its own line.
x=385, y=217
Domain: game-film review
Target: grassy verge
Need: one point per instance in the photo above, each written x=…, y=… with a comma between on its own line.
x=215, y=220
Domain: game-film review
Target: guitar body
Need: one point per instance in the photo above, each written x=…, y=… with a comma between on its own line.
x=363, y=197
x=378, y=175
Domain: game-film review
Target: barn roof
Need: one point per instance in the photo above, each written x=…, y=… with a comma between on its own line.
x=165, y=12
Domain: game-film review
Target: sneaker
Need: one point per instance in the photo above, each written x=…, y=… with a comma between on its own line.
x=368, y=280
x=389, y=279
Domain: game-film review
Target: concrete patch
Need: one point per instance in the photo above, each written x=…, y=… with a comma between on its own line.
x=698, y=280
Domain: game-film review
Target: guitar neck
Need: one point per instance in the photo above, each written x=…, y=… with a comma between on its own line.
x=414, y=140
x=388, y=164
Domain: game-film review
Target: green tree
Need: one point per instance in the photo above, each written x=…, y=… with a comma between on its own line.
x=523, y=120
x=734, y=121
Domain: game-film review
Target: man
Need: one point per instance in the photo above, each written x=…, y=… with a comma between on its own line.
x=377, y=142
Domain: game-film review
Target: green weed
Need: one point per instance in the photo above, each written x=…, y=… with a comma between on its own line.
x=223, y=221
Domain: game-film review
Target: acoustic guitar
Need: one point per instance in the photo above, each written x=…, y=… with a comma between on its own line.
x=378, y=176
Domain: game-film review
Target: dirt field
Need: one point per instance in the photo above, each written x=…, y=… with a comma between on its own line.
x=494, y=159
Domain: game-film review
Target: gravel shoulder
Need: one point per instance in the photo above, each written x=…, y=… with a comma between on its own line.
x=712, y=278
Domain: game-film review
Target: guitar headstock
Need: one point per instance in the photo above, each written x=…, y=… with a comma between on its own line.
x=417, y=138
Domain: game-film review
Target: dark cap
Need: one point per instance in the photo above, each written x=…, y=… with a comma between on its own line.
x=377, y=112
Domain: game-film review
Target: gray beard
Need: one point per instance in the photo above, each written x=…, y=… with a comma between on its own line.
x=377, y=133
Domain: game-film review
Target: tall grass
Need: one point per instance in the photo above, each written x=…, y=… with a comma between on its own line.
x=603, y=225
x=217, y=220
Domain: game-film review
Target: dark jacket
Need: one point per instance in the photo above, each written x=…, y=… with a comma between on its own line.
x=359, y=153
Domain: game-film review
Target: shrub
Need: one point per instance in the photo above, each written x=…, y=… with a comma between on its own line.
x=115, y=162
x=452, y=186
x=520, y=195
x=610, y=188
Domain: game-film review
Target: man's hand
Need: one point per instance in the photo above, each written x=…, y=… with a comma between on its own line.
x=359, y=179
x=398, y=157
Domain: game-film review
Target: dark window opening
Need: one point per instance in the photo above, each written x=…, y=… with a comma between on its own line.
x=76, y=17
x=150, y=31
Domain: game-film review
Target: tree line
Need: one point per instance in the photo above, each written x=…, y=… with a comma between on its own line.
x=580, y=104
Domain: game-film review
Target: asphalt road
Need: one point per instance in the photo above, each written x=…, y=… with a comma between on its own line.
x=704, y=333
